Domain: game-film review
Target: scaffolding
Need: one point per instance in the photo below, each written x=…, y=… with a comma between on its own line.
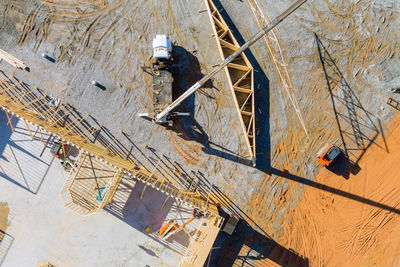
x=83, y=192
x=91, y=184
x=97, y=172
x=202, y=242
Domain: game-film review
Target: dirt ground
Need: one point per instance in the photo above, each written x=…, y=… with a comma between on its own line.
x=4, y=210
x=358, y=223
x=344, y=62
x=4, y=216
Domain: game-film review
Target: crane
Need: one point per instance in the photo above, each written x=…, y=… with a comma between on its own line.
x=159, y=118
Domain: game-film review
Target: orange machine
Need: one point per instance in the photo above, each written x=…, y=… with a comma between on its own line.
x=58, y=150
x=172, y=228
x=327, y=154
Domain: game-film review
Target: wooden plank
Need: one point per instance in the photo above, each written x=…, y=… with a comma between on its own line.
x=12, y=60
x=29, y=129
x=245, y=102
x=220, y=24
x=228, y=45
x=222, y=36
x=239, y=67
x=246, y=113
x=243, y=77
x=253, y=119
x=242, y=90
x=44, y=147
x=9, y=121
x=10, y=87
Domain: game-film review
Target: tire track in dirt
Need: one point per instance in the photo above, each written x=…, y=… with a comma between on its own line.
x=64, y=12
x=358, y=232
x=343, y=232
x=188, y=151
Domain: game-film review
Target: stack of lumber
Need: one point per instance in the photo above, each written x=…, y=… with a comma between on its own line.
x=12, y=60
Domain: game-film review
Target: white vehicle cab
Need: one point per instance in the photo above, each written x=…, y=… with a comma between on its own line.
x=162, y=47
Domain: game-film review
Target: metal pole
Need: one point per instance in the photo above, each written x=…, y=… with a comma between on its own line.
x=249, y=43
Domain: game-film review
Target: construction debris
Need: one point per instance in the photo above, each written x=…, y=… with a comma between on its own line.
x=12, y=60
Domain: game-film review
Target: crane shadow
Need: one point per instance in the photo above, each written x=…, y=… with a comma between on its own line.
x=358, y=128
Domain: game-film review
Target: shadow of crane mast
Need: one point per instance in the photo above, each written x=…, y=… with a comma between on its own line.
x=355, y=123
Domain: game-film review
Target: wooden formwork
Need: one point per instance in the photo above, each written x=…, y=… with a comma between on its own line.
x=31, y=105
x=240, y=76
x=90, y=185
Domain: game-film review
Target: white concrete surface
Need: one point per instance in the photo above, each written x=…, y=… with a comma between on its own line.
x=20, y=160
x=44, y=230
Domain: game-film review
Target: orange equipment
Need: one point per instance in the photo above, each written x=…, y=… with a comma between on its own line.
x=183, y=225
x=58, y=150
x=171, y=228
x=327, y=154
x=167, y=228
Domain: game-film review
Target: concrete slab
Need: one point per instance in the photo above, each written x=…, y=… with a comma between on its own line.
x=20, y=161
x=43, y=230
x=144, y=207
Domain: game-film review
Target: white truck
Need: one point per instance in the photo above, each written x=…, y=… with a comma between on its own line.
x=162, y=47
x=161, y=77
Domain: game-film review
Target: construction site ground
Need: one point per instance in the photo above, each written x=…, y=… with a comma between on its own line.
x=44, y=230
x=344, y=62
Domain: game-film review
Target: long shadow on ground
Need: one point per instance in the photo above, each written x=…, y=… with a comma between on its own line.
x=246, y=246
x=186, y=72
x=6, y=241
x=20, y=151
